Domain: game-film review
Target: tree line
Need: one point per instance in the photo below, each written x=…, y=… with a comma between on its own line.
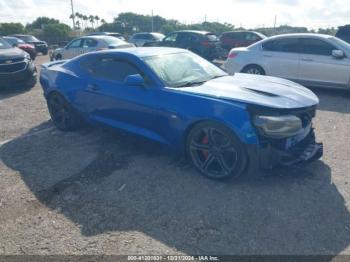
x=53, y=31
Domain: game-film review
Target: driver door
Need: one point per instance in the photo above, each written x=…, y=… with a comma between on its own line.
x=73, y=49
x=113, y=102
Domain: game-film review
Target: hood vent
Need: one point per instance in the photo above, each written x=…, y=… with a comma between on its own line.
x=261, y=92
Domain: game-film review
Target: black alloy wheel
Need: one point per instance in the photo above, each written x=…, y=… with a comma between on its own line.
x=215, y=151
x=63, y=114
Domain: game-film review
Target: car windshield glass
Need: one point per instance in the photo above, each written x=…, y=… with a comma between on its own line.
x=158, y=36
x=110, y=40
x=183, y=69
x=341, y=43
x=29, y=38
x=4, y=44
x=212, y=37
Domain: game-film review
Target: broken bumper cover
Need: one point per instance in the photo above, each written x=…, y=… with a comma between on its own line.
x=303, y=152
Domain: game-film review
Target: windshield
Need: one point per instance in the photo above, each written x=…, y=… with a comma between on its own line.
x=341, y=43
x=110, y=40
x=13, y=40
x=29, y=38
x=4, y=44
x=183, y=69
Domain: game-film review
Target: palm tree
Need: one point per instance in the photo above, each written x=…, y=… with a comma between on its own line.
x=97, y=20
x=92, y=19
x=72, y=16
x=85, y=18
x=103, y=22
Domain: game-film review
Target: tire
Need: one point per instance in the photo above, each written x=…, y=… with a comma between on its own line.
x=215, y=151
x=253, y=70
x=63, y=115
x=45, y=52
x=58, y=57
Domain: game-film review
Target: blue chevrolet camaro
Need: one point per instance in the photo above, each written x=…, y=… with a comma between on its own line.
x=223, y=123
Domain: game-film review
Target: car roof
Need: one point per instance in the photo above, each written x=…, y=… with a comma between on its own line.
x=144, y=51
x=301, y=35
x=194, y=31
x=96, y=37
x=104, y=33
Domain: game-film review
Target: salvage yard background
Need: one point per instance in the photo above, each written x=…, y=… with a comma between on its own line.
x=98, y=191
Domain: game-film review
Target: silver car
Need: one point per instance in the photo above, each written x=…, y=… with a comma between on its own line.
x=88, y=44
x=311, y=59
x=139, y=39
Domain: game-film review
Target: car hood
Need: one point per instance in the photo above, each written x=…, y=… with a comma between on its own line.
x=259, y=90
x=11, y=53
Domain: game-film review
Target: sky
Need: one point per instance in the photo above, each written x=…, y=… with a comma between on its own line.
x=246, y=13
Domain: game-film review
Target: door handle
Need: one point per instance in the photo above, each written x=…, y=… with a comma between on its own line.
x=307, y=59
x=93, y=87
x=267, y=55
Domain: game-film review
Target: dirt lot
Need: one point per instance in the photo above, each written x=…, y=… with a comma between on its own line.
x=104, y=192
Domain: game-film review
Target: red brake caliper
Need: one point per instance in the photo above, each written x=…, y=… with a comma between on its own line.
x=205, y=141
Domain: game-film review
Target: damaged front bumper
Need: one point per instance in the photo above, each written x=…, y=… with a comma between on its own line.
x=287, y=152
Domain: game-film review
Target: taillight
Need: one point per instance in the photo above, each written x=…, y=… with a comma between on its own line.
x=205, y=43
x=232, y=55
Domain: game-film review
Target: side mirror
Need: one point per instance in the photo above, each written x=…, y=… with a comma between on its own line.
x=14, y=45
x=134, y=80
x=339, y=54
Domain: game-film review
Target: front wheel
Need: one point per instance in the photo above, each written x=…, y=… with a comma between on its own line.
x=63, y=115
x=215, y=151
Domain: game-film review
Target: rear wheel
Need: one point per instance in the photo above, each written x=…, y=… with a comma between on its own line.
x=63, y=115
x=215, y=151
x=253, y=70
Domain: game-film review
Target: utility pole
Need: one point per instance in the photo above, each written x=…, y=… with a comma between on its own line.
x=152, y=22
x=73, y=15
x=275, y=23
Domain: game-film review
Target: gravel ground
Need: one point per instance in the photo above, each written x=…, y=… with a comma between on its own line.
x=104, y=192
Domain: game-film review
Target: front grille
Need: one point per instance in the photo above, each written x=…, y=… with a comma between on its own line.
x=11, y=60
x=12, y=68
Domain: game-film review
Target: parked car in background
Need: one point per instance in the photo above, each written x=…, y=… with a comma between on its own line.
x=16, y=42
x=17, y=69
x=344, y=33
x=139, y=39
x=88, y=44
x=203, y=43
x=40, y=46
x=234, y=39
x=224, y=123
x=114, y=34
x=311, y=59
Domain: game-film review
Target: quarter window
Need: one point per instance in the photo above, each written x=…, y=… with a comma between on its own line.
x=287, y=45
x=316, y=47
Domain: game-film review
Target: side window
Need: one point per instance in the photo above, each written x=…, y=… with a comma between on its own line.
x=75, y=44
x=88, y=42
x=183, y=38
x=171, y=38
x=287, y=45
x=316, y=47
x=113, y=69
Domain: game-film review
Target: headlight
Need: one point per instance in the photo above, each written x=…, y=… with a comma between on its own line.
x=27, y=57
x=278, y=126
